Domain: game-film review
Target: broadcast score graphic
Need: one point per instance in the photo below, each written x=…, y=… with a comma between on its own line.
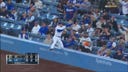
x=27, y=58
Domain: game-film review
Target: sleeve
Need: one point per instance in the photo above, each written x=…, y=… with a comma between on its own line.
x=122, y=2
x=126, y=29
x=39, y=30
x=121, y=31
x=114, y=44
x=59, y=30
x=31, y=19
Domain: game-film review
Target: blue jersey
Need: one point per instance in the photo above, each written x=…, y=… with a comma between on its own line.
x=12, y=16
x=69, y=12
x=24, y=36
x=43, y=30
x=59, y=30
x=87, y=20
x=10, y=6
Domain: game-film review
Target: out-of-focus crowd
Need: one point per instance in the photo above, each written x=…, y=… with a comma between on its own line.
x=93, y=26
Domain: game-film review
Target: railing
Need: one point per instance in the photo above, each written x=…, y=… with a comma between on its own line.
x=65, y=56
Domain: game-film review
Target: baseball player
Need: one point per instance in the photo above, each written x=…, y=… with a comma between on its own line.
x=57, y=36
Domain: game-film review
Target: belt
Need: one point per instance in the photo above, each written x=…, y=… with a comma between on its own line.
x=58, y=36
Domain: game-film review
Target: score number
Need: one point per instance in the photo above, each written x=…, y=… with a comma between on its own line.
x=27, y=58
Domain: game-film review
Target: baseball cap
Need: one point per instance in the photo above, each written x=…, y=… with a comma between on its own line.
x=54, y=17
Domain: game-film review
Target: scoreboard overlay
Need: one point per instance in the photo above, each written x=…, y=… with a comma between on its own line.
x=27, y=58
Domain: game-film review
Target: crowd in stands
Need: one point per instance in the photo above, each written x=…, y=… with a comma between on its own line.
x=90, y=28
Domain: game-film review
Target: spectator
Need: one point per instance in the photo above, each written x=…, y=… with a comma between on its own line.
x=43, y=29
x=96, y=13
x=48, y=39
x=3, y=12
x=101, y=50
x=24, y=17
x=36, y=28
x=30, y=21
x=70, y=42
x=82, y=29
x=120, y=47
x=90, y=30
x=87, y=20
x=83, y=6
x=13, y=14
x=123, y=30
x=97, y=32
x=114, y=7
x=106, y=16
x=114, y=24
x=102, y=4
x=60, y=7
x=104, y=37
x=86, y=43
x=111, y=7
x=10, y=5
x=54, y=22
x=124, y=4
x=105, y=34
x=104, y=24
x=38, y=4
x=51, y=30
x=65, y=35
x=99, y=23
x=31, y=17
x=86, y=4
x=76, y=26
x=69, y=11
x=24, y=34
x=111, y=44
x=121, y=42
x=118, y=55
x=35, y=11
x=31, y=5
x=107, y=53
x=108, y=4
x=2, y=4
x=32, y=8
x=92, y=17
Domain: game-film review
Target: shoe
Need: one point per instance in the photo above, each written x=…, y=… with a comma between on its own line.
x=51, y=49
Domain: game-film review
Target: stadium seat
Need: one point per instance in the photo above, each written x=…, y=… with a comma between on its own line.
x=16, y=29
x=6, y=20
x=50, y=2
x=119, y=16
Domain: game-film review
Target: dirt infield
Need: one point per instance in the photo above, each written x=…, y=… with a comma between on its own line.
x=43, y=66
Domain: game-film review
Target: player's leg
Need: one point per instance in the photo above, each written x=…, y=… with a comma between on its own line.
x=54, y=42
x=60, y=42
